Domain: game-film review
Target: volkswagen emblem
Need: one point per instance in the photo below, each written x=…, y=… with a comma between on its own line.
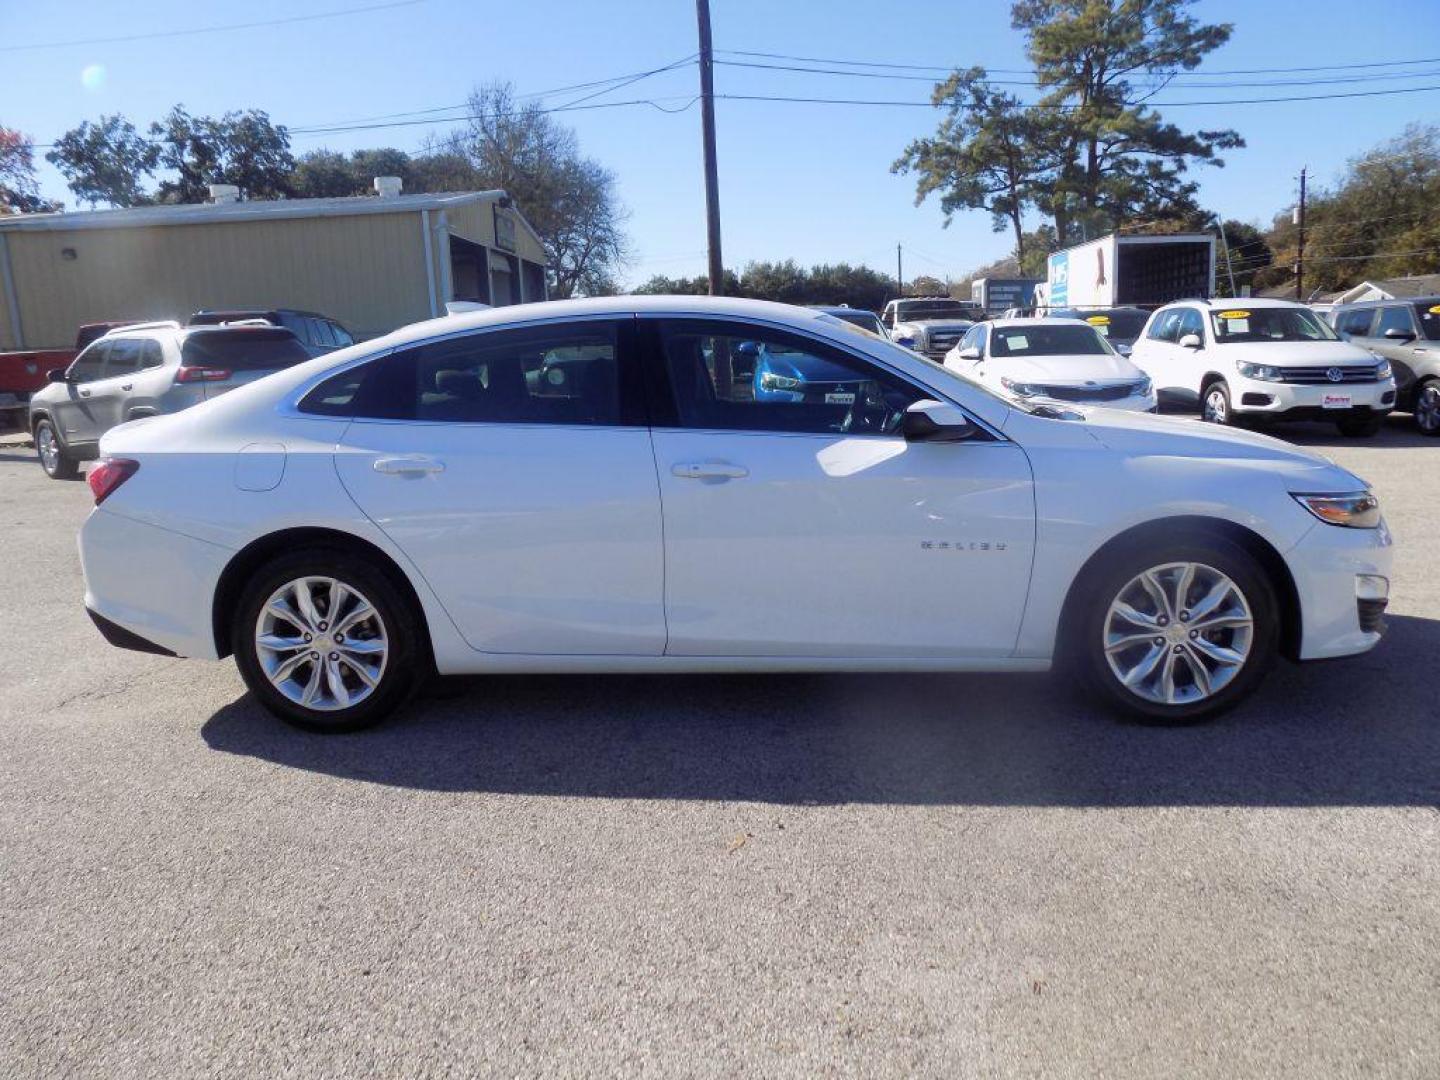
x=1334, y=374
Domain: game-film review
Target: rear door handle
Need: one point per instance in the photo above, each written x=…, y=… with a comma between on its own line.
x=84, y=393
x=128, y=386
x=709, y=470
x=408, y=466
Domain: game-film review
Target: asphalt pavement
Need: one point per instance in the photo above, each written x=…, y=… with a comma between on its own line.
x=713, y=876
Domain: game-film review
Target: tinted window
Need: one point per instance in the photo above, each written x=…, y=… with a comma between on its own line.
x=974, y=338
x=320, y=333
x=1355, y=322
x=1115, y=325
x=242, y=349
x=1166, y=326
x=545, y=375
x=1190, y=323
x=151, y=355
x=1395, y=318
x=1428, y=312
x=1041, y=338
x=733, y=377
x=342, y=336
x=86, y=367
x=124, y=356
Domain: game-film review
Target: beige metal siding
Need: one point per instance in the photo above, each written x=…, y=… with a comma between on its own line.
x=367, y=270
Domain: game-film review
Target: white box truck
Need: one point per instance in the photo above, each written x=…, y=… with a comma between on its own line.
x=997, y=294
x=1123, y=271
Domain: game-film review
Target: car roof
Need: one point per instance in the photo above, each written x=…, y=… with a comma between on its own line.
x=1228, y=302
x=1049, y=320
x=1417, y=300
x=153, y=330
x=840, y=309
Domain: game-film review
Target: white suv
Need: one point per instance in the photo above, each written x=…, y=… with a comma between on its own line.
x=1254, y=358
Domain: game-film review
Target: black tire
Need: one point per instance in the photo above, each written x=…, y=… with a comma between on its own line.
x=1088, y=629
x=60, y=466
x=1427, y=407
x=1366, y=428
x=402, y=631
x=1215, y=405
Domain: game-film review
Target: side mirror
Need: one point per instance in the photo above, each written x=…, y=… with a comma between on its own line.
x=970, y=352
x=1124, y=350
x=1190, y=341
x=56, y=375
x=934, y=421
x=1396, y=333
x=747, y=348
x=906, y=341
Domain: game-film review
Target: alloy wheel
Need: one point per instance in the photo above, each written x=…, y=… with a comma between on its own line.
x=48, y=448
x=1216, y=408
x=1427, y=409
x=1178, y=633
x=321, y=643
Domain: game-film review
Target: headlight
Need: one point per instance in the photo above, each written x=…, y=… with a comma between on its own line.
x=1260, y=372
x=1020, y=389
x=1357, y=510
x=1141, y=388
x=770, y=381
x=1382, y=369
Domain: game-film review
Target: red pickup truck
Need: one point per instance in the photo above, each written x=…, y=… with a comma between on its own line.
x=25, y=371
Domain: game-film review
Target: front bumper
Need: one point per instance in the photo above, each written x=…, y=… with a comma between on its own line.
x=150, y=584
x=1334, y=567
x=1311, y=401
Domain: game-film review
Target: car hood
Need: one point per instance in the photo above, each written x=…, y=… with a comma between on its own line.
x=1295, y=353
x=1065, y=370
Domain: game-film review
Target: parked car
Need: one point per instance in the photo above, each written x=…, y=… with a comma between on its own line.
x=354, y=522
x=1053, y=359
x=1406, y=333
x=24, y=371
x=866, y=320
x=1119, y=326
x=930, y=325
x=144, y=370
x=785, y=374
x=319, y=334
x=1254, y=359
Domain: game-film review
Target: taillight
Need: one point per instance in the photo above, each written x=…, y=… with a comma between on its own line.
x=201, y=374
x=108, y=475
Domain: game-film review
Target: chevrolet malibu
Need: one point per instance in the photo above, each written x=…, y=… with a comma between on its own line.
x=439, y=501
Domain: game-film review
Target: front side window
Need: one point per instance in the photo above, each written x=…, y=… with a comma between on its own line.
x=746, y=378
x=87, y=366
x=1269, y=324
x=1042, y=338
x=1356, y=323
x=1190, y=323
x=124, y=357
x=974, y=339
x=1395, y=318
x=1166, y=326
x=541, y=375
x=1428, y=313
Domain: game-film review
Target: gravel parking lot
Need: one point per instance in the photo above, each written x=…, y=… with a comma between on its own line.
x=801, y=875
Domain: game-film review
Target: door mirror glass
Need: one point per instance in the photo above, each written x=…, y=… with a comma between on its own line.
x=1396, y=333
x=934, y=421
x=970, y=352
x=56, y=375
x=1190, y=341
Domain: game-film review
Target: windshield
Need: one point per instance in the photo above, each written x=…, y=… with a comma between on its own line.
x=1042, y=339
x=1269, y=324
x=933, y=309
x=1428, y=316
x=1116, y=324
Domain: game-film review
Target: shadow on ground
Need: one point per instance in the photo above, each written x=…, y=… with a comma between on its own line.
x=1365, y=731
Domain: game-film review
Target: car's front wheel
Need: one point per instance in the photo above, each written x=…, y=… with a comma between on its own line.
x=1174, y=632
x=58, y=464
x=326, y=641
x=1427, y=407
x=1215, y=404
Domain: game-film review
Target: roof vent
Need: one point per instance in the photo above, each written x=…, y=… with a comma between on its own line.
x=223, y=193
x=387, y=187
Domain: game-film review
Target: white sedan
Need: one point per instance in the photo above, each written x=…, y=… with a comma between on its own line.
x=1053, y=359
x=593, y=486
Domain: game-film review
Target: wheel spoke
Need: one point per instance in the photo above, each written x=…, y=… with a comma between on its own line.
x=1146, y=666
x=336, y=682
x=1126, y=641
x=1151, y=585
x=1211, y=600
x=280, y=609
x=312, y=688
x=364, y=673
x=305, y=601
x=1223, y=621
x=287, y=668
x=1134, y=616
x=1199, y=673
x=1182, y=588
x=1167, y=677
x=1219, y=653
x=279, y=643
x=362, y=647
x=358, y=614
x=339, y=595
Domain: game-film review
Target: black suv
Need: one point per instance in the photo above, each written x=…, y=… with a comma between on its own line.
x=319, y=334
x=1407, y=333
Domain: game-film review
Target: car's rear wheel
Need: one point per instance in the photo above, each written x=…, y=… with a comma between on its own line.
x=1215, y=405
x=1176, y=632
x=1427, y=407
x=56, y=462
x=326, y=641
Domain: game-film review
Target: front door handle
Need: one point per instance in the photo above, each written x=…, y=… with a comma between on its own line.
x=128, y=386
x=709, y=470
x=84, y=393
x=408, y=466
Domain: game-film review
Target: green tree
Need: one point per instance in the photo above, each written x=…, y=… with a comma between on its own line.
x=1248, y=253
x=983, y=157
x=240, y=148
x=19, y=189
x=105, y=162
x=322, y=174
x=569, y=199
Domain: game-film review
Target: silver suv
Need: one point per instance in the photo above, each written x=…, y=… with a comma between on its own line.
x=1407, y=333
x=145, y=370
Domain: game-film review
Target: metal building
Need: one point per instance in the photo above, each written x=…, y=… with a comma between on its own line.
x=373, y=262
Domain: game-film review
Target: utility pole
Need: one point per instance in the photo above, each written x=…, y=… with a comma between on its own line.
x=899, y=274
x=707, y=126
x=1300, y=244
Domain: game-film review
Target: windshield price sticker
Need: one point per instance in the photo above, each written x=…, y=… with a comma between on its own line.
x=1228, y=316
x=1435, y=309
x=1099, y=320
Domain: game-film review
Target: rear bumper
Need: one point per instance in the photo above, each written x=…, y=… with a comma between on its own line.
x=151, y=585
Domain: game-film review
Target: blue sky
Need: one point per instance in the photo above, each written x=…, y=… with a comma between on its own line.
x=806, y=181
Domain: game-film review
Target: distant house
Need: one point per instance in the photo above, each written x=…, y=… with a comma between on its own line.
x=1392, y=289
x=373, y=262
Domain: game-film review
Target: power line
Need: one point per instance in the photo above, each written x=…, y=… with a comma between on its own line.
x=1026, y=71
x=286, y=21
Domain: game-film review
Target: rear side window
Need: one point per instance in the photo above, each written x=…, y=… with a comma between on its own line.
x=1356, y=322
x=243, y=349
x=342, y=336
x=151, y=355
x=543, y=375
x=124, y=356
